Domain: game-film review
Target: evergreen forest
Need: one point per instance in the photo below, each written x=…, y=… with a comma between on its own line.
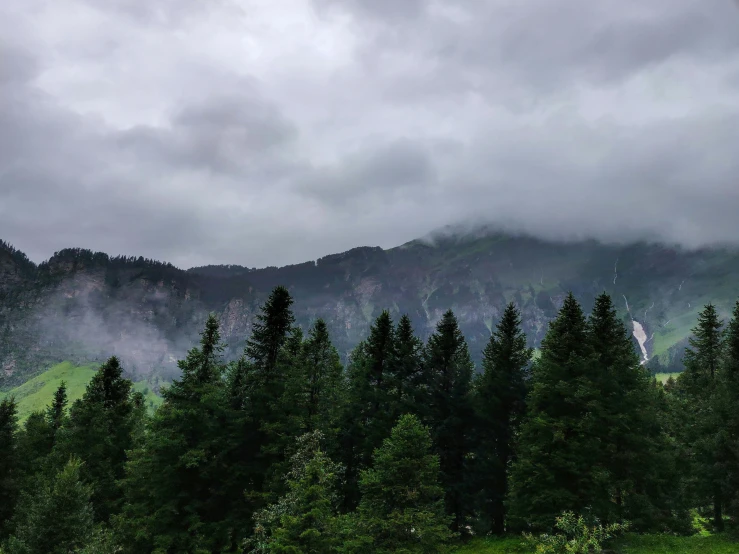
x=406, y=448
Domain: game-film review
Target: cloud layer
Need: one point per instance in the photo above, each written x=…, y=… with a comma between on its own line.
x=265, y=133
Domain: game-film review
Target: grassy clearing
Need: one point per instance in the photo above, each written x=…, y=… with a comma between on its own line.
x=666, y=544
x=663, y=377
x=36, y=394
x=630, y=544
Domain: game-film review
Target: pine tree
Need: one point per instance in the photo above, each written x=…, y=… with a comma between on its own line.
x=402, y=506
x=322, y=398
x=176, y=498
x=9, y=461
x=99, y=432
x=304, y=518
x=37, y=439
x=556, y=454
x=56, y=412
x=634, y=481
x=448, y=372
x=265, y=378
x=406, y=386
x=500, y=396
x=698, y=385
x=56, y=518
x=728, y=400
x=368, y=418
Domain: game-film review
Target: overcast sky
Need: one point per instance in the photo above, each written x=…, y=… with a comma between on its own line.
x=266, y=132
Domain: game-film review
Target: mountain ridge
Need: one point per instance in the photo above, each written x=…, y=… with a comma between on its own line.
x=82, y=306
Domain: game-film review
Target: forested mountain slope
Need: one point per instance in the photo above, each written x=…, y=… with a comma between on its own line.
x=84, y=306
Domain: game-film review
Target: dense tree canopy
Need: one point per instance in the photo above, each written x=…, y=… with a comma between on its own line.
x=406, y=449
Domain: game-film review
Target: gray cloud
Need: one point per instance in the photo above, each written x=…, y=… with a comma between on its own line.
x=264, y=134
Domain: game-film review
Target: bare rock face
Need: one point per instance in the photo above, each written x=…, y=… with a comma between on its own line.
x=84, y=306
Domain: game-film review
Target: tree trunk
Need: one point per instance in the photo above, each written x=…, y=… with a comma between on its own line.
x=718, y=516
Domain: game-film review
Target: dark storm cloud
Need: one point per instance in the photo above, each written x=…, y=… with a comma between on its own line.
x=270, y=133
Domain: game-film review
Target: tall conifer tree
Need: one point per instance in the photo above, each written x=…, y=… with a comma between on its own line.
x=728, y=401
x=500, y=401
x=697, y=383
x=99, y=432
x=556, y=453
x=368, y=418
x=448, y=371
x=9, y=463
x=406, y=385
x=402, y=506
x=174, y=486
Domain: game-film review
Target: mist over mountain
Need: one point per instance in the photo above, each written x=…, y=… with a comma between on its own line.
x=85, y=306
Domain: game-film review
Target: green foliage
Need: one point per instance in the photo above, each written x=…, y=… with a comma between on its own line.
x=402, y=507
x=36, y=393
x=174, y=495
x=56, y=517
x=100, y=432
x=575, y=536
x=448, y=377
x=304, y=519
x=500, y=395
x=368, y=418
x=9, y=477
x=557, y=452
x=697, y=387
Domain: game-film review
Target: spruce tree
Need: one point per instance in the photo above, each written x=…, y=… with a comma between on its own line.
x=368, y=418
x=500, y=396
x=322, y=398
x=303, y=519
x=175, y=485
x=728, y=400
x=265, y=378
x=56, y=518
x=448, y=372
x=633, y=477
x=406, y=386
x=556, y=452
x=56, y=413
x=697, y=383
x=99, y=432
x=9, y=462
x=402, y=506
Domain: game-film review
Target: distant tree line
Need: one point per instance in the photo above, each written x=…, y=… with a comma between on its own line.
x=406, y=449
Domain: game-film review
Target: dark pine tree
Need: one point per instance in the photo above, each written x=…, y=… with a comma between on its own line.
x=9, y=462
x=697, y=384
x=176, y=496
x=264, y=386
x=500, y=402
x=402, y=506
x=368, y=418
x=634, y=482
x=448, y=372
x=57, y=518
x=37, y=439
x=556, y=452
x=406, y=390
x=56, y=413
x=99, y=432
x=728, y=402
x=321, y=400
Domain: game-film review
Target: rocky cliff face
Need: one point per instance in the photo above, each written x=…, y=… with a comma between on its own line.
x=85, y=306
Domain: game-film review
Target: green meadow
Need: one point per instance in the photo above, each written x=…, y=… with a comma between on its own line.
x=37, y=393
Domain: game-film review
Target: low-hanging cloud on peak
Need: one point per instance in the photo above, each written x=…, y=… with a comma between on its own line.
x=264, y=134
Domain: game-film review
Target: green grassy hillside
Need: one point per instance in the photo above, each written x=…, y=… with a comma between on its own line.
x=37, y=393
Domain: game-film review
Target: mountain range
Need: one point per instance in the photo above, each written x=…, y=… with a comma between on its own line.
x=84, y=306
